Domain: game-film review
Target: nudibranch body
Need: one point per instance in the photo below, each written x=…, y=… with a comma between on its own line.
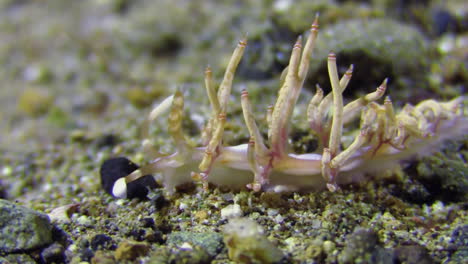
x=385, y=137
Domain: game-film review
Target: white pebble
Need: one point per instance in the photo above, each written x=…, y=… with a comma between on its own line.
x=231, y=211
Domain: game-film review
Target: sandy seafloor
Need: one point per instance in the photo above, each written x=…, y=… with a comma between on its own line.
x=78, y=78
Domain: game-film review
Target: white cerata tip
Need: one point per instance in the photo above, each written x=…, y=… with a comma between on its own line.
x=120, y=188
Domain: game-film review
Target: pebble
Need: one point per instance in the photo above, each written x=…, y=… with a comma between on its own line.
x=102, y=241
x=131, y=250
x=147, y=222
x=183, y=206
x=328, y=246
x=54, y=253
x=84, y=221
x=413, y=255
x=201, y=216
x=231, y=211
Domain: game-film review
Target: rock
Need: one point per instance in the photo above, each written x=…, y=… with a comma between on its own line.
x=201, y=215
x=147, y=222
x=23, y=229
x=86, y=254
x=362, y=246
x=54, y=253
x=231, y=211
x=247, y=243
x=412, y=255
x=102, y=241
x=131, y=250
x=137, y=234
x=209, y=241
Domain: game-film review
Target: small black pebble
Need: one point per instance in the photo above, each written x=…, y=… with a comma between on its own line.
x=84, y=243
x=102, y=241
x=165, y=227
x=147, y=222
x=158, y=199
x=108, y=140
x=3, y=194
x=116, y=168
x=443, y=22
x=155, y=237
x=137, y=234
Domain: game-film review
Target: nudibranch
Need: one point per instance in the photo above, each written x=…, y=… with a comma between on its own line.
x=384, y=139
